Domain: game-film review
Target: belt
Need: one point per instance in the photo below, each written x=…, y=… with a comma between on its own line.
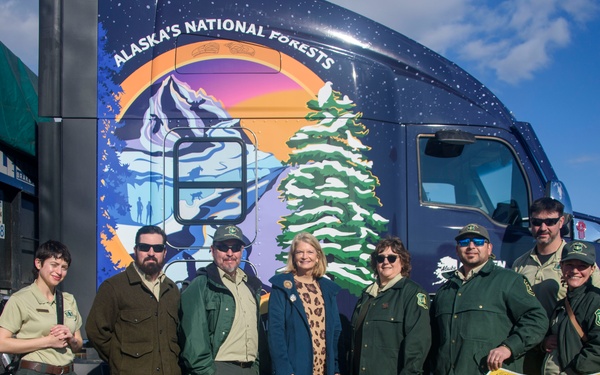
x=45, y=368
x=241, y=364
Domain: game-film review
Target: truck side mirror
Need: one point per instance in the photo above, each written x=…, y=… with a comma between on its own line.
x=448, y=143
x=556, y=189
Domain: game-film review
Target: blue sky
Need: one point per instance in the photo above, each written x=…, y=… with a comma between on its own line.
x=540, y=57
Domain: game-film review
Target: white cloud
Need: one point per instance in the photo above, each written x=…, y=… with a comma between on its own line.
x=583, y=160
x=514, y=39
x=19, y=29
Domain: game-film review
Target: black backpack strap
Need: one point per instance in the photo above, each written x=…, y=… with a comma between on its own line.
x=60, y=314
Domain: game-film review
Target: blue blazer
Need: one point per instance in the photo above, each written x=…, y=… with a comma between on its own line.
x=289, y=335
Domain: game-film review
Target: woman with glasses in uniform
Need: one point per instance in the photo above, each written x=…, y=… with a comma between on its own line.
x=391, y=333
x=304, y=322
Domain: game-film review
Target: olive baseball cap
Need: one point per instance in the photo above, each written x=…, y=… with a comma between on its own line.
x=473, y=229
x=579, y=250
x=228, y=232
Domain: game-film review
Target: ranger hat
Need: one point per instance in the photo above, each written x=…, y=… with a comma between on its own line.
x=228, y=232
x=580, y=250
x=471, y=229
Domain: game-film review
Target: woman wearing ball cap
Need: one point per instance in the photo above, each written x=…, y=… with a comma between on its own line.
x=573, y=342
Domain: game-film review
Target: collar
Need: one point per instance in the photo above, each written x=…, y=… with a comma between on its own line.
x=39, y=296
x=374, y=289
x=483, y=269
x=555, y=255
x=240, y=275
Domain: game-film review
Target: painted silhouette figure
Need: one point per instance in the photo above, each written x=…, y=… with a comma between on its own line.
x=148, y=213
x=140, y=209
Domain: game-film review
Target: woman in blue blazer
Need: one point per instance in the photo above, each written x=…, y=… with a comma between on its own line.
x=304, y=322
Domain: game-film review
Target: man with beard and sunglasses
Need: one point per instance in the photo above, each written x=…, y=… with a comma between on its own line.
x=541, y=264
x=219, y=313
x=133, y=320
x=485, y=317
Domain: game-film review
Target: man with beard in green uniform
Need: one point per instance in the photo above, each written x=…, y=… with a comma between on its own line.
x=485, y=317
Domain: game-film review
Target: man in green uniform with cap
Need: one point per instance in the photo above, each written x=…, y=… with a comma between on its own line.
x=485, y=317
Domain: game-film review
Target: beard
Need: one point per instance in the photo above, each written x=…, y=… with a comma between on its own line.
x=545, y=241
x=149, y=268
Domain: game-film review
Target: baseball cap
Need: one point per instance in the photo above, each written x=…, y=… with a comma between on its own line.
x=473, y=229
x=228, y=232
x=580, y=250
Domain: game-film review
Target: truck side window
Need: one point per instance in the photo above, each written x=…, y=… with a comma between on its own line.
x=484, y=175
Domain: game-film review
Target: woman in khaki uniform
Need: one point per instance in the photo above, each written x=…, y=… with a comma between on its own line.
x=28, y=324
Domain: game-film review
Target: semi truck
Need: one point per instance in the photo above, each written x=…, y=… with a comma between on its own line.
x=279, y=118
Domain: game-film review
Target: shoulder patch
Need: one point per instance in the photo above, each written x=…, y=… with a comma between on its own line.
x=422, y=301
x=528, y=287
x=597, y=313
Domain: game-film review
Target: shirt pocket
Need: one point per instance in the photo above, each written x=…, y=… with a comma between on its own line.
x=386, y=321
x=137, y=332
x=490, y=320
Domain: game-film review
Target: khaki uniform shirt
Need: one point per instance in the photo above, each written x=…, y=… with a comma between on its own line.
x=545, y=279
x=28, y=315
x=154, y=286
x=242, y=342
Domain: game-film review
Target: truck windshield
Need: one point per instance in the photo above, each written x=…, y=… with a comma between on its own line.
x=485, y=176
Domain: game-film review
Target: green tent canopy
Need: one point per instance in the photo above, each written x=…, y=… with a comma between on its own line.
x=18, y=102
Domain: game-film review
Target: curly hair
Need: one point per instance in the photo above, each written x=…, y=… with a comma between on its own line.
x=396, y=245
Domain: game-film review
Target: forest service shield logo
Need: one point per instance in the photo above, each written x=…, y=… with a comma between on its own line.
x=597, y=313
x=422, y=301
x=528, y=287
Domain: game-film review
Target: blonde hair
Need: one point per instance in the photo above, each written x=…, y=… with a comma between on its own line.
x=308, y=238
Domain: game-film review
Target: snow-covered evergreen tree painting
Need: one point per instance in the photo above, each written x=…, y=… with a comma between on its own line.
x=331, y=190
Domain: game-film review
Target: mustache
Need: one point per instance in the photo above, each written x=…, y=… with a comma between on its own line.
x=150, y=258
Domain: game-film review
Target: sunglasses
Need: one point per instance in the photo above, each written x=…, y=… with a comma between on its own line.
x=145, y=247
x=549, y=221
x=390, y=258
x=466, y=241
x=225, y=248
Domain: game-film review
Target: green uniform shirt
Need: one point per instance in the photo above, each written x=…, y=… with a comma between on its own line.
x=572, y=355
x=395, y=334
x=495, y=307
x=29, y=315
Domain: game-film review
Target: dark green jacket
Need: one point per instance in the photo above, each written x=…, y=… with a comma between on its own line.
x=572, y=353
x=206, y=315
x=396, y=333
x=131, y=330
x=495, y=307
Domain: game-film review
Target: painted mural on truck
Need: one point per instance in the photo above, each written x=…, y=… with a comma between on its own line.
x=177, y=148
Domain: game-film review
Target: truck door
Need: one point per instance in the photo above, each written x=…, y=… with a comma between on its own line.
x=488, y=182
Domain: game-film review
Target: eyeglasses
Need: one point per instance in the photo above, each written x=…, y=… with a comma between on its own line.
x=466, y=241
x=549, y=221
x=390, y=258
x=225, y=248
x=145, y=247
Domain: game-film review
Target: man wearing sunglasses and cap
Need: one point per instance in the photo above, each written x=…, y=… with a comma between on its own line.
x=485, y=317
x=220, y=312
x=133, y=320
x=541, y=264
